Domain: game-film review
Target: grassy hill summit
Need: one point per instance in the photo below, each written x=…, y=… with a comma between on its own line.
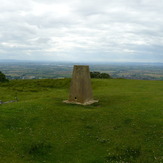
x=125, y=126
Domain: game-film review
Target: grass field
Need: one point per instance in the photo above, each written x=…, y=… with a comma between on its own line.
x=124, y=127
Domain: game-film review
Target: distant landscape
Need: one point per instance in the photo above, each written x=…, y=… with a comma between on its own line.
x=50, y=70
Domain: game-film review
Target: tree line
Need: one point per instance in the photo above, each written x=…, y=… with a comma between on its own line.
x=99, y=75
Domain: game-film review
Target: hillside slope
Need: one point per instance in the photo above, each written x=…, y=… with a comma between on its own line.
x=125, y=126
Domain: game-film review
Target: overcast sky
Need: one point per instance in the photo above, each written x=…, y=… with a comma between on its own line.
x=82, y=30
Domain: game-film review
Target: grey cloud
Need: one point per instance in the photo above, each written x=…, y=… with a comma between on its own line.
x=97, y=30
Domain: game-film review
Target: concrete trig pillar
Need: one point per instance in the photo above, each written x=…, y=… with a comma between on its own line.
x=80, y=89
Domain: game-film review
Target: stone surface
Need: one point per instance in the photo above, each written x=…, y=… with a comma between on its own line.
x=79, y=103
x=80, y=89
x=1, y=102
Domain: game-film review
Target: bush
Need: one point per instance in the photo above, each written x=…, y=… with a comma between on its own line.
x=3, y=77
x=100, y=75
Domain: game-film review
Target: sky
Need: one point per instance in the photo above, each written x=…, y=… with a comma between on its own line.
x=82, y=30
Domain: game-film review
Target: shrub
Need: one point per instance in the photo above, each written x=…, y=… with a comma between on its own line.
x=3, y=77
x=99, y=75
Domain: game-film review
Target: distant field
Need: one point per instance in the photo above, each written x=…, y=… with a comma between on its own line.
x=50, y=70
x=124, y=127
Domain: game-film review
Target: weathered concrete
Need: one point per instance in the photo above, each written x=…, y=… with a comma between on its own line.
x=81, y=90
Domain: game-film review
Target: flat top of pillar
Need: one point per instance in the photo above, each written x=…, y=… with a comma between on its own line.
x=81, y=65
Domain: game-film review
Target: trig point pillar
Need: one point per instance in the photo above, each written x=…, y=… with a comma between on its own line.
x=81, y=90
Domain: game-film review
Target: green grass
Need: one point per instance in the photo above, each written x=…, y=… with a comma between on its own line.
x=125, y=126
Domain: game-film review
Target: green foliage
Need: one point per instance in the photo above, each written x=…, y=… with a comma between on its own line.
x=3, y=77
x=100, y=75
x=125, y=126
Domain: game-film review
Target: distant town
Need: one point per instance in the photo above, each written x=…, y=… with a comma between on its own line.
x=50, y=70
